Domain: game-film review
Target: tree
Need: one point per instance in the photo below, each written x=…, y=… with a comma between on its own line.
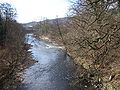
x=13, y=54
x=7, y=14
x=97, y=25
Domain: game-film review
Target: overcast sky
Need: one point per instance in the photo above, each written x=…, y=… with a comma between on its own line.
x=32, y=10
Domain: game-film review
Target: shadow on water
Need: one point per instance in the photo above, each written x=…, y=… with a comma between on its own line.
x=52, y=72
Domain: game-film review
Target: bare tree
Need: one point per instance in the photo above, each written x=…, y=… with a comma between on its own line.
x=96, y=37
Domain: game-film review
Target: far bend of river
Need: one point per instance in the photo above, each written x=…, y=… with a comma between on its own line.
x=53, y=69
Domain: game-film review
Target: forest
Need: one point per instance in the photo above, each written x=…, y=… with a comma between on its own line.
x=90, y=34
x=13, y=50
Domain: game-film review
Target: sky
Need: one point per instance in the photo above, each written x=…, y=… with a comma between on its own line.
x=36, y=10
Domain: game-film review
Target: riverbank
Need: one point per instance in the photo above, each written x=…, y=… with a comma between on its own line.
x=86, y=74
x=11, y=74
x=79, y=71
x=54, y=68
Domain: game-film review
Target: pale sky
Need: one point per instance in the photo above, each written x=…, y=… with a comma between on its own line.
x=35, y=10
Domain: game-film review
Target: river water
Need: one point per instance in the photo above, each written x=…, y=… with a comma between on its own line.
x=53, y=70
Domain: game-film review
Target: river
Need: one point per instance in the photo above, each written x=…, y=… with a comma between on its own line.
x=53, y=70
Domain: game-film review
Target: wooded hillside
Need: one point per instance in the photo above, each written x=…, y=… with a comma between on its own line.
x=13, y=50
x=91, y=35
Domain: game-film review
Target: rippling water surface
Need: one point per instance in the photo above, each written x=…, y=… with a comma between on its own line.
x=53, y=70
